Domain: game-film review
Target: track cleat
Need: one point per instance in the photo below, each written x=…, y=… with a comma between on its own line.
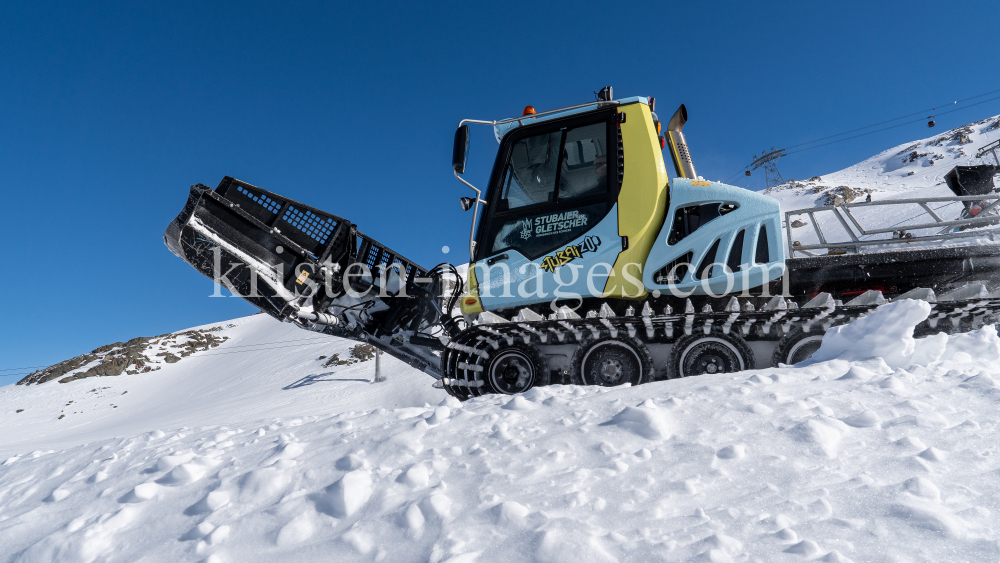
x=565, y=312
x=870, y=297
x=966, y=292
x=527, y=315
x=824, y=300
x=733, y=306
x=777, y=303
x=489, y=318
x=920, y=293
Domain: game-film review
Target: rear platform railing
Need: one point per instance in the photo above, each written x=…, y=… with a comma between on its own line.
x=926, y=226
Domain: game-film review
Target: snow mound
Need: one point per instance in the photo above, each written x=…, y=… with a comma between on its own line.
x=646, y=420
x=347, y=495
x=886, y=335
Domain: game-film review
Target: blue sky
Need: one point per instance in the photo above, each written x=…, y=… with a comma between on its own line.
x=110, y=111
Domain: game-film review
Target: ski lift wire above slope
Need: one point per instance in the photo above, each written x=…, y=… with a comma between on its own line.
x=930, y=123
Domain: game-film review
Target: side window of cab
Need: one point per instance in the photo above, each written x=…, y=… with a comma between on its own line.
x=553, y=187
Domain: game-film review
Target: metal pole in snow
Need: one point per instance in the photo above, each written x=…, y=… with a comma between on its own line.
x=378, y=366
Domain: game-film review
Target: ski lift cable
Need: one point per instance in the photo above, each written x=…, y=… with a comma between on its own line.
x=877, y=130
x=734, y=176
x=896, y=119
x=891, y=126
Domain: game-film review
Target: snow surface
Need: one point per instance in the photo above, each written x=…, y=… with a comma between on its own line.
x=884, y=451
x=910, y=170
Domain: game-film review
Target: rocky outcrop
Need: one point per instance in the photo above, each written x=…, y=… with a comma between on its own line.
x=842, y=194
x=359, y=353
x=959, y=136
x=139, y=355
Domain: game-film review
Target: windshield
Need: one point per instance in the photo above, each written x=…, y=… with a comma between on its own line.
x=531, y=174
x=536, y=168
x=553, y=189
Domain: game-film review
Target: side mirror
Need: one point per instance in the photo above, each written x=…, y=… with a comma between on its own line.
x=460, y=154
x=466, y=203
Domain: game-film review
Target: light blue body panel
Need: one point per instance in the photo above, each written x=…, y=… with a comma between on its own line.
x=517, y=281
x=754, y=211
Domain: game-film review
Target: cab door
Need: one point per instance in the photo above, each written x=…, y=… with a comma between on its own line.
x=549, y=231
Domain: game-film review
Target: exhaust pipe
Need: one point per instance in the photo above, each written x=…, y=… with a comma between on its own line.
x=678, y=146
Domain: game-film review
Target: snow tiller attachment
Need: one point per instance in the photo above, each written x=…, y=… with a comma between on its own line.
x=300, y=264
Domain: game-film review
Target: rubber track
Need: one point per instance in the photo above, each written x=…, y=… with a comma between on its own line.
x=465, y=359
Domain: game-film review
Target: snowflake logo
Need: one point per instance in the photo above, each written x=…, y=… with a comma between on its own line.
x=526, y=229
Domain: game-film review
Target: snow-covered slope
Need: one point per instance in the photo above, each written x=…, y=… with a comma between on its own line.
x=911, y=170
x=264, y=369
x=884, y=451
